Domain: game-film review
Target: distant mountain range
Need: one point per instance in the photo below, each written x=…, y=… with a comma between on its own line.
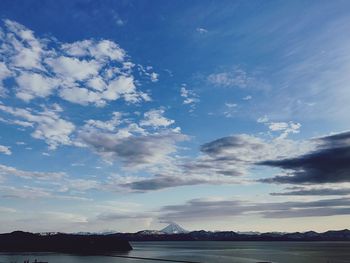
x=174, y=232
x=202, y=235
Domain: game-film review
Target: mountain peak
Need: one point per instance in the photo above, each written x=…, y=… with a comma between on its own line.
x=174, y=228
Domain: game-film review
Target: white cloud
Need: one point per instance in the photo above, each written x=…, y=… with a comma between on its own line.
x=124, y=87
x=231, y=105
x=48, y=125
x=97, y=83
x=110, y=125
x=201, y=30
x=263, y=119
x=73, y=68
x=26, y=51
x=247, y=97
x=120, y=87
x=108, y=49
x=84, y=72
x=189, y=96
x=230, y=109
x=5, y=150
x=278, y=126
x=148, y=72
x=155, y=118
x=154, y=77
x=104, y=49
x=285, y=128
x=31, y=85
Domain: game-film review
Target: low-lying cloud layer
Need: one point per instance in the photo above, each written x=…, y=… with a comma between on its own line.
x=197, y=209
x=314, y=191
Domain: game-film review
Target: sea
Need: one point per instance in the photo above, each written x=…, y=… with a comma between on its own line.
x=205, y=252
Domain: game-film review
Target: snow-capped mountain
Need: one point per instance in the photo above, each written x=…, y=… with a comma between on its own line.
x=173, y=228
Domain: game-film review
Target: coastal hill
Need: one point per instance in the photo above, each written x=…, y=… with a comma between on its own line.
x=19, y=241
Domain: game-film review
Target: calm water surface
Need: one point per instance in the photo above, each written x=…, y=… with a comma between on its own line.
x=210, y=252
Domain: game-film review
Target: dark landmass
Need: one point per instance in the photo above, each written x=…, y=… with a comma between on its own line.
x=341, y=235
x=19, y=241
x=90, y=243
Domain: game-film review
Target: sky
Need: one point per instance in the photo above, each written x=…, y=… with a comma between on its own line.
x=216, y=115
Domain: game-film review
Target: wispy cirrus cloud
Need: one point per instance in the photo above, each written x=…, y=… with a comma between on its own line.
x=189, y=97
x=12, y=171
x=237, y=77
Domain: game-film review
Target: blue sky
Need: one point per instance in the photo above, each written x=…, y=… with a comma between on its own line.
x=125, y=115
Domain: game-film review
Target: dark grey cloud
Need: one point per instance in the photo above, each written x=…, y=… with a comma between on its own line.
x=235, y=142
x=133, y=151
x=311, y=212
x=197, y=209
x=226, y=160
x=158, y=182
x=329, y=163
x=336, y=140
x=312, y=191
x=161, y=182
x=222, y=161
x=229, y=156
x=112, y=216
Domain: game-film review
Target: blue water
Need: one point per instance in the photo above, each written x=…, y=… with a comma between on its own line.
x=209, y=252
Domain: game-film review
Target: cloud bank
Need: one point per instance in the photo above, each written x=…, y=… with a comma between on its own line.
x=328, y=163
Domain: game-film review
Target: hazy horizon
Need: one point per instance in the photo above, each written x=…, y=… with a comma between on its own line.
x=216, y=115
x=111, y=231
